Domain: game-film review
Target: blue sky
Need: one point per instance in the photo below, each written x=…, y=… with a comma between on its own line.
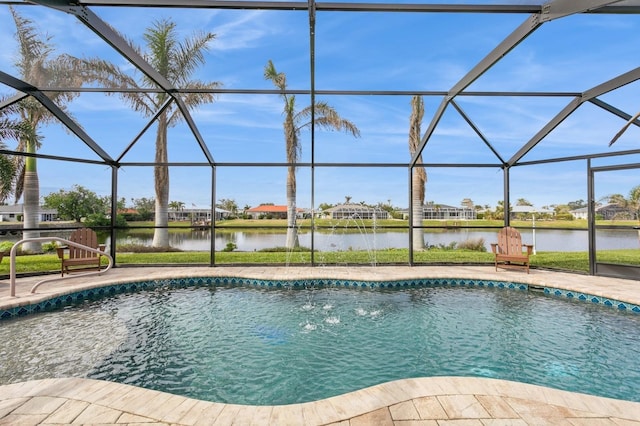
x=358, y=51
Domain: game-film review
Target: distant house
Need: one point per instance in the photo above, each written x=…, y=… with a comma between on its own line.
x=606, y=211
x=433, y=211
x=272, y=212
x=355, y=211
x=197, y=215
x=15, y=213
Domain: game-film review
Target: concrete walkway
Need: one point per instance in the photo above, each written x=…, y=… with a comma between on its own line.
x=423, y=401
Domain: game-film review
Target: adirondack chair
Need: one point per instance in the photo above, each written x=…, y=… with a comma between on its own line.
x=78, y=258
x=509, y=251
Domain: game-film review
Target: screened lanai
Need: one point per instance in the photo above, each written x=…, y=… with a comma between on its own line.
x=521, y=103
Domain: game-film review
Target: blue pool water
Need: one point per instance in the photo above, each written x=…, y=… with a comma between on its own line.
x=279, y=346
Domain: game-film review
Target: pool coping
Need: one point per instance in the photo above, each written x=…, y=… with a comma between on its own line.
x=431, y=401
x=612, y=292
x=424, y=401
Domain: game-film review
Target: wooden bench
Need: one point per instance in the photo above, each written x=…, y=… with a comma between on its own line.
x=80, y=259
x=509, y=251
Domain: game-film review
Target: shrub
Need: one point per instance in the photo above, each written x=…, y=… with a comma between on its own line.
x=49, y=247
x=564, y=216
x=97, y=220
x=473, y=244
x=285, y=250
x=230, y=247
x=139, y=248
x=5, y=246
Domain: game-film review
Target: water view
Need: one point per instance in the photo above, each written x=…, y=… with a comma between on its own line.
x=368, y=239
x=246, y=240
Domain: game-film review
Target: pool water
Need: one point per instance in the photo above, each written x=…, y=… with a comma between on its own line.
x=279, y=346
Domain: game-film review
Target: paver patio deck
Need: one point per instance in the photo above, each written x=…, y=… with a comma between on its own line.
x=421, y=401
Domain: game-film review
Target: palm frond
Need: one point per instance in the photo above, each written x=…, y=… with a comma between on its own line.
x=278, y=79
x=624, y=128
x=189, y=56
x=327, y=118
x=161, y=42
x=33, y=48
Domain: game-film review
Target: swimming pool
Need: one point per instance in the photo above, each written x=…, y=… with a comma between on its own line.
x=252, y=345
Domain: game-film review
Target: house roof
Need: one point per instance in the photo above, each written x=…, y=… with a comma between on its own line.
x=351, y=207
x=267, y=208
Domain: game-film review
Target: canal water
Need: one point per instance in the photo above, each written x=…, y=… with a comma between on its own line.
x=367, y=239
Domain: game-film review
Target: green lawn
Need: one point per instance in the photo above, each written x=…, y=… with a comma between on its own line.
x=569, y=261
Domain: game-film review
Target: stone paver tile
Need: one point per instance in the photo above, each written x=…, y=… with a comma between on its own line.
x=201, y=411
x=125, y=401
x=326, y=412
x=22, y=419
x=463, y=407
x=145, y=403
x=190, y=416
x=18, y=389
x=179, y=411
x=547, y=421
x=540, y=409
x=415, y=423
x=356, y=403
x=127, y=418
x=404, y=411
x=503, y=422
x=237, y=415
x=310, y=414
x=397, y=391
x=460, y=422
x=162, y=406
x=67, y=412
x=40, y=405
x=599, y=421
x=261, y=415
x=94, y=390
x=342, y=423
x=8, y=405
x=380, y=417
x=230, y=413
x=286, y=415
x=429, y=408
x=497, y=407
x=98, y=414
x=624, y=422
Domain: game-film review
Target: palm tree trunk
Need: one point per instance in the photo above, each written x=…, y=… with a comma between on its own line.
x=417, y=195
x=292, y=229
x=31, y=199
x=161, y=175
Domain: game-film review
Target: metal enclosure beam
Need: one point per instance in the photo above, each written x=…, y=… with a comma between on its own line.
x=115, y=40
x=560, y=8
x=512, y=40
x=552, y=10
x=598, y=90
x=57, y=112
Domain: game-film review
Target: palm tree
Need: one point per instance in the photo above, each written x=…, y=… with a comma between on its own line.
x=176, y=61
x=634, y=201
x=326, y=117
x=176, y=206
x=419, y=178
x=10, y=128
x=38, y=67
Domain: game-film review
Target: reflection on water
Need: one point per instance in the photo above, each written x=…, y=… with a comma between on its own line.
x=341, y=240
x=546, y=240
